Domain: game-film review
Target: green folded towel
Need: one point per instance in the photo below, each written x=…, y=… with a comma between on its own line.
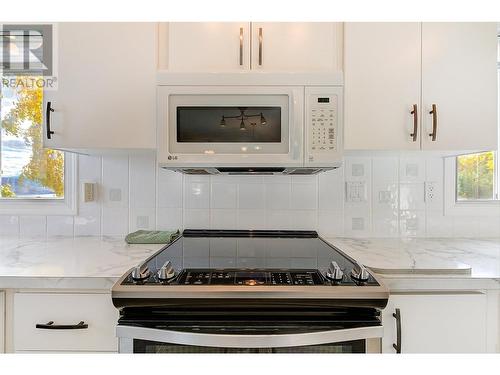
x=151, y=236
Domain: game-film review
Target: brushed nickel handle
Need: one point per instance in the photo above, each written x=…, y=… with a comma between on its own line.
x=260, y=46
x=414, y=112
x=241, y=46
x=433, y=112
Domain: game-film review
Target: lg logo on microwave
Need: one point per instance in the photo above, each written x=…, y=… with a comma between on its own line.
x=172, y=157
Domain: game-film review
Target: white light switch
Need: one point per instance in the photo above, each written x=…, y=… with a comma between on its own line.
x=355, y=191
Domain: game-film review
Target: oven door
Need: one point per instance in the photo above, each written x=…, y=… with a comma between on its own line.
x=150, y=340
x=207, y=126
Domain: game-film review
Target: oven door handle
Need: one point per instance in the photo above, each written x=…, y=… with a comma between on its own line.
x=248, y=341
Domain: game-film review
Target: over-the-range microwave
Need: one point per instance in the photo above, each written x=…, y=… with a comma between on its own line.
x=250, y=129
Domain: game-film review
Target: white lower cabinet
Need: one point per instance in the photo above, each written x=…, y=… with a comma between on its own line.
x=437, y=323
x=33, y=331
x=2, y=322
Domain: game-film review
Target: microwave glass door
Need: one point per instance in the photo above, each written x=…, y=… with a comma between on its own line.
x=229, y=124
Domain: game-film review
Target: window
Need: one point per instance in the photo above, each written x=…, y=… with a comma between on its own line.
x=477, y=175
x=28, y=171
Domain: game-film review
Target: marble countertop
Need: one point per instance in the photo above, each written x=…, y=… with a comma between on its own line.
x=473, y=258
x=80, y=262
x=97, y=262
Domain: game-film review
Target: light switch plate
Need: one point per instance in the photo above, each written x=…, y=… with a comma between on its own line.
x=355, y=191
x=89, y=192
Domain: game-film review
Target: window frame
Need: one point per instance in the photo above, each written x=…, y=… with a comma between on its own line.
x=48, y=206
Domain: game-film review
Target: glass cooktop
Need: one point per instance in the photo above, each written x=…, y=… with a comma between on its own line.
x=211, y=257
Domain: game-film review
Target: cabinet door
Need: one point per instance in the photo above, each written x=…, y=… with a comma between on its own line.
x=207, y=46
x=106, y=87
x=297, y=46
x=2, y=322
x=382, y=83
x=460, y=77
x=437, y=323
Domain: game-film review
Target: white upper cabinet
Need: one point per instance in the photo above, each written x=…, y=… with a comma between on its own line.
x=390, y=67
x=297, y=46
x=106, y=88
x=232, y=47
x=382, y=85
x=459, y=77
x=205, y=46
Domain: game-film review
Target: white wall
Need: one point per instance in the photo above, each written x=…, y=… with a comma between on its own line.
x=129, y=199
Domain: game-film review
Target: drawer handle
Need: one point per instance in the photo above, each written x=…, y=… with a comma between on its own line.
x=51, y=325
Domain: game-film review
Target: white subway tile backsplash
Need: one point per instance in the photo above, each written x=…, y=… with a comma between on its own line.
x=357, y=221
x=142, y=218
x=385, y=170
x=278, y=196
x=251, y=196
x=9, y=225
x=197, y=195
x=142, y=168
x=438, y=225
x=223, y=219
x=197, y=218
x=223, y=195
x=32, y=226
x=128, y=199
x=88, y=220
x=412, y=223
x=60, y=226
x=304, y=196
x=115, y=221
x=279, y=219
x=330, y=223
x=412, y=196
x=251, y=219
x=169, y=218
x=412, y=169
x=115, y=182
x=465, y=226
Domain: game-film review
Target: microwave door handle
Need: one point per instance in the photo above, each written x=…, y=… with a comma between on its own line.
x=297, y=138
x=248, y=341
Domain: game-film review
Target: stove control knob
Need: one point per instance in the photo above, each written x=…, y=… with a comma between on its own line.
x=140, y=273
x=360, y=273
x=166, y=272
x=334, y=272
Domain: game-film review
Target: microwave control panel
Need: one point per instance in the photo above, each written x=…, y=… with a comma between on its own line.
x=323, y=127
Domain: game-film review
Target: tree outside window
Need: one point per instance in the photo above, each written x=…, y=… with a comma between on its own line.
x=27, y=169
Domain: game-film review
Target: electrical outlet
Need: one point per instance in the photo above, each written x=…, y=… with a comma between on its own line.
x=430, y=192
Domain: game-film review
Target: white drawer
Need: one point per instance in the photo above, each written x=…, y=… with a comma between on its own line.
x=96, y=310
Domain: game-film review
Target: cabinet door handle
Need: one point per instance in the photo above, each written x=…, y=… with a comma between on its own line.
x=414, y=112
x=397, y=345
x=260, y=46
x=434, y=114
x=241, y=46
x=51, y=325
x=47, y=117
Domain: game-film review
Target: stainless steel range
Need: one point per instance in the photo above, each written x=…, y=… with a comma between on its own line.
x=249, y=291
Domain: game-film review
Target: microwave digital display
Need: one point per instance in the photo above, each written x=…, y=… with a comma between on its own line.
x=202, y=124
